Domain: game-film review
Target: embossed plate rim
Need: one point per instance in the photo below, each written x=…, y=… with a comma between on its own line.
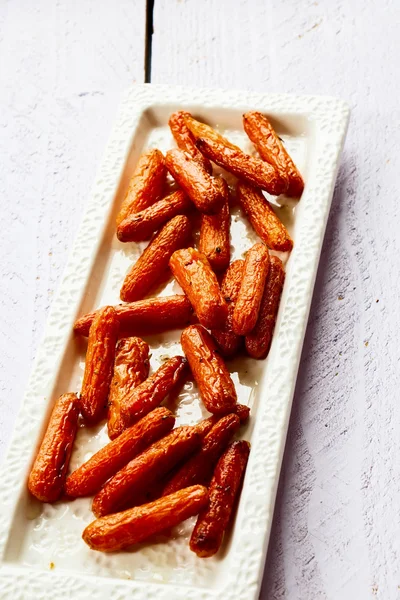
x=330, y=118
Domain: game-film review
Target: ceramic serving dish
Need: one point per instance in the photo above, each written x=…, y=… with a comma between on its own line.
x=42, y=553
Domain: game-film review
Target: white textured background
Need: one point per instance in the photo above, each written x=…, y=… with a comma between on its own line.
x=63, y=67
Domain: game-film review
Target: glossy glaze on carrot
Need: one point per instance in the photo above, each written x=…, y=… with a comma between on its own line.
x=141, y=472
x=146, y=185
x=214, y=240
x=248, y=301
x=185, y=140
x=131, y=368
x=152, y=264
x=225, y=485
x=140, y=226
x=99, y=364
x=199, y=468
x=215, y=384
x=148, y=395
x=193, y=272
x=49, y=471
x=251, y=169
x=146, y=317
x=137, y=524
x=93, y=474
x=258, y=342
x=205, y=425
x=263, y=219
x=200, y=186
x=272, y=149
x=202, y=130
x=227, y=340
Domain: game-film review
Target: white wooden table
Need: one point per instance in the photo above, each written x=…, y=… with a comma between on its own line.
x=63, y=68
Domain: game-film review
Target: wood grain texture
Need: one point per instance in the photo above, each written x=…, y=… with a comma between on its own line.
x=63, y=70
x=336, y=530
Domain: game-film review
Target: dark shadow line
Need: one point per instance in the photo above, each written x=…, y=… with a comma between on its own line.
x=148, y=40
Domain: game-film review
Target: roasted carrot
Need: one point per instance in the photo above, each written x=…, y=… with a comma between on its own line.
x=204, y=426
x=262, y=218
x=140, y=226
x=146, y=317
x=227, y=340
x=192, y=271
x=212, y=522
x=135, y=525
x=131, y=368
x=216, y=387
x=99, y=364
x=258, y=342
x=271, y=149
x=214, y=240
x=199, y=468
x=154, y=260
x=248, y=301
x=201, y=130
x=92, y=475
x=146, y=185
x=244, y=166
x=199, y=185
x=243, y=412
x=138, y=475
x=154, y=390
x=185, y=140
x=49, y=471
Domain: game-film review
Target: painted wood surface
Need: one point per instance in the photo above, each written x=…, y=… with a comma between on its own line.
x=336, y=532
x=64, y=66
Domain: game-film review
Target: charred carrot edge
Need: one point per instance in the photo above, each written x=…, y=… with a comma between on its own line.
x=271, y=149
x=49, y=471
x=262, y=218
x=212, y=522
x=146, y=185
x=138, y=524
x=192, y=271
x=244, y=166
x=227, y=340
x=216, y=387
x=258, y=342
x=149, y=394
x=146, y=317
x=185, y=140
x=140, y=226
x=214, y=240
x=199, y=185
x=99, y=364
x=198, y=469
x=138, y=475
x=131, y=368
x=92, y=475
x=248, y=301
x=201, y=130
x=154, y=260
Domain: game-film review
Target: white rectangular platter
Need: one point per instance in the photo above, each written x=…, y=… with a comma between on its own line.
x=42, y=553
